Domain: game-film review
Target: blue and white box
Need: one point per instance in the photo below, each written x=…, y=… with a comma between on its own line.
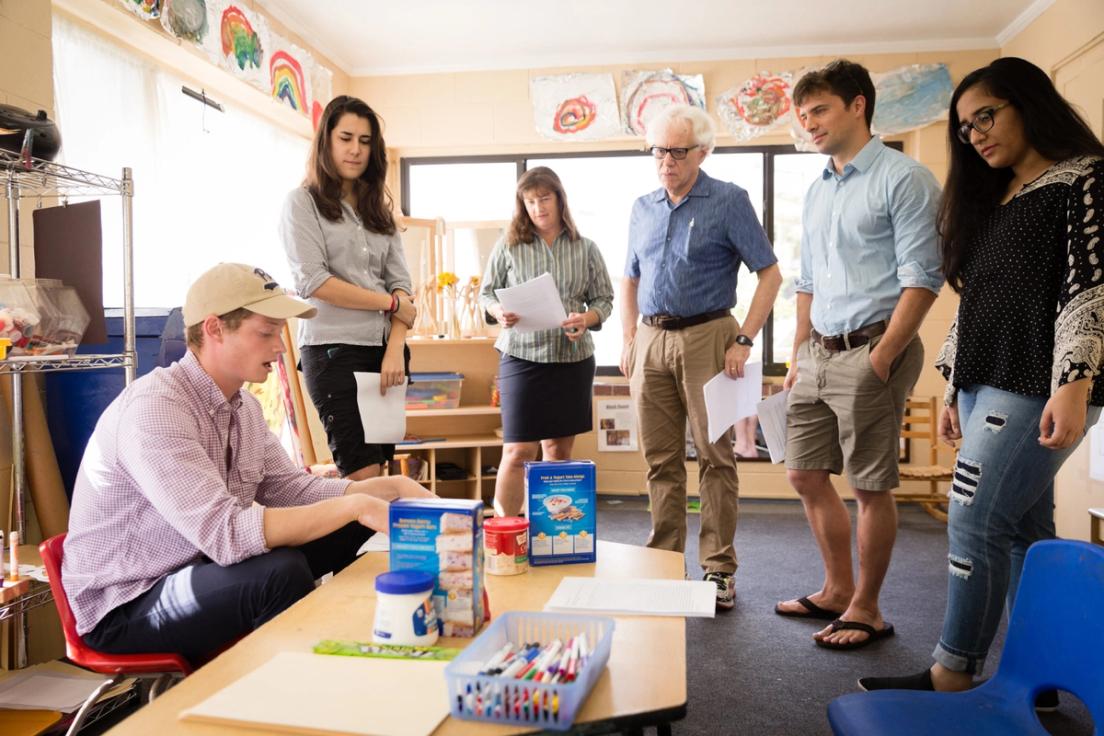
x=443, y=537
x=563, y=511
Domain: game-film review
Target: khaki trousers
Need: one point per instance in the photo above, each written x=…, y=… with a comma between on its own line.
x=669, y=368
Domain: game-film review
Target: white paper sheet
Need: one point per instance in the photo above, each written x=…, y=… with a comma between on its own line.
x=616, y=425
x=53, y=691
x=299, y=692
x=772, y=419
x=536, y=303
x=383, y=417
x=635, y=597
x=728, y=400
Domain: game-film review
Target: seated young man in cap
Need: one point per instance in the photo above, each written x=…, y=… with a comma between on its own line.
x=190, y=525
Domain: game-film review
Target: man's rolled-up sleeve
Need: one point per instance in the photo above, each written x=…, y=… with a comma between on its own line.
x=914, y=207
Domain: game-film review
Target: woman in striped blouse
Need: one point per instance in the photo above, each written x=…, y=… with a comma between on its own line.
x=545, y=378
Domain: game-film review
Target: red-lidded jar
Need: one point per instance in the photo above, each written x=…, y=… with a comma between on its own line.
x=506, y=545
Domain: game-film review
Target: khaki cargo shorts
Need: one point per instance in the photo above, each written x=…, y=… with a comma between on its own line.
x=842, y=416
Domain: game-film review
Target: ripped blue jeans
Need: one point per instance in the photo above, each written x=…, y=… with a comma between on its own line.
x=1002, y=500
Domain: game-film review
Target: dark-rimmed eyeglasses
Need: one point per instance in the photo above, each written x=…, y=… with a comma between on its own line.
x=983, y=122
x=677, y=154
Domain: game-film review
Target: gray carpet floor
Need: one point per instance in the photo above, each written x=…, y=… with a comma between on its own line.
x=753, y=672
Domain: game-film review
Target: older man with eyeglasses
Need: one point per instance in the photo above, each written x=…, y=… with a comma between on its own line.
x=687, y=241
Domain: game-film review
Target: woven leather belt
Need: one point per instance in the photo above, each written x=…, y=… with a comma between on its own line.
x=858, y=338
x=669, y=322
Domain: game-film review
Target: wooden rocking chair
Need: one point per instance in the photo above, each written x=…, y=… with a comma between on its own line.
x=920, y=423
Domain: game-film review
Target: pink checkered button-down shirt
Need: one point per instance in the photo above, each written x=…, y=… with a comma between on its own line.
x=170, y=476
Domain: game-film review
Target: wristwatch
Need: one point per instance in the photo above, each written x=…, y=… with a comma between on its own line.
x=745, y=341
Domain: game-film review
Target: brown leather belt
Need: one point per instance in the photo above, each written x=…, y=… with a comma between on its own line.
x=669, y=322
x=858, y=338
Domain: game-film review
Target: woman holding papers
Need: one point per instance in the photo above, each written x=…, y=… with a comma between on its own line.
x=1021, y=225
x=545, y=376
x=347, y=259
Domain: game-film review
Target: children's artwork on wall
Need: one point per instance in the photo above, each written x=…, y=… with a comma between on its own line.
x=644, y=93
x=144, y=9
x=321, y=88
x=289, y=84
x=802, y=141
x=186, y=19
x=240, y=43
x=758, y=106
x=575, y=107
x=911, y=97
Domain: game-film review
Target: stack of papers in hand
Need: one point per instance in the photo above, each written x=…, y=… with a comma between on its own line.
x=635, y=597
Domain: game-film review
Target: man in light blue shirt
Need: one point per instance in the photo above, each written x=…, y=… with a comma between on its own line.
x=686, y=243
x=870, y=270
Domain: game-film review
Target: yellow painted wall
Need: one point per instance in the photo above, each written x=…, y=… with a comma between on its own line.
x=26, y=81
x=1067, y=41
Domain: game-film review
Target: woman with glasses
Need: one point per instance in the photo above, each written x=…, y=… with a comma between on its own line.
x=1022, y=231
x=347, y=259
x=545, y=378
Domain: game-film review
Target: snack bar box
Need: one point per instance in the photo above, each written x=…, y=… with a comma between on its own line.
x=444, y=537
x=563, y=511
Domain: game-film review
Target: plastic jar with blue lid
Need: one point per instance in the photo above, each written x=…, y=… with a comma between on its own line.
x=404, y=608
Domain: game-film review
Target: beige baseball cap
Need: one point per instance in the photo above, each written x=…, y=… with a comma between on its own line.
x=230, y=286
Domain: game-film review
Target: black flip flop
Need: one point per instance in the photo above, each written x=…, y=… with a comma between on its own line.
x=872, y=634
x=812, y=610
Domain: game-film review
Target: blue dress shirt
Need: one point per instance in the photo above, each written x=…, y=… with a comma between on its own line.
x=687, y=255
x=868, y=233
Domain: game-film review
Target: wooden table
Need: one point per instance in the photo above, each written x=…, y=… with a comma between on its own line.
x=644, y=685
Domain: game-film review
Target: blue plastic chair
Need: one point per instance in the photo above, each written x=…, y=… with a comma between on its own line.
x=1055, y=641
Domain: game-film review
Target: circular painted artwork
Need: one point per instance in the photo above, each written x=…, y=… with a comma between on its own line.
x=574, y=115
x=145, y=9
x=763, y=99
x=186, y=19
x=650, y=95
x=757, y=106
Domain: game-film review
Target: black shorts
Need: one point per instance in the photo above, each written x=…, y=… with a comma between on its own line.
x=328, y=371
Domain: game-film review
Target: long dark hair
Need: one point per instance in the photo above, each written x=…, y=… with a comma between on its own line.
x=373, y=201
x=539, y=179
x=1052, y=127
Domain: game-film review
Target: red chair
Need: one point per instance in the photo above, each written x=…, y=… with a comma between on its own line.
x=160, y=668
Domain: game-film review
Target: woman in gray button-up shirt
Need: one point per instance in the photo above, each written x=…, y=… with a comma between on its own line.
x=347, y=259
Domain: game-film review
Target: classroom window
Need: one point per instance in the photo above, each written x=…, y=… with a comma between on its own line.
x=209, y=186
x=601, y=188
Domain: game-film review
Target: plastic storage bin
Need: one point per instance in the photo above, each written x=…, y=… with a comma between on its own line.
x=550, y=706
x=434, y=390
x=46, y=340
x=72, y=319
x=19, y=318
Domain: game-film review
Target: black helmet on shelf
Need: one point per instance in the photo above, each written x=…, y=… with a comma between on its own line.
x=14, y=124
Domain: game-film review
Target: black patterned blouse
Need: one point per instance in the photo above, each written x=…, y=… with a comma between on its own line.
x=1031, y=316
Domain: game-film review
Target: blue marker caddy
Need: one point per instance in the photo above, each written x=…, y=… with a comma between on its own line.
x=549, y=706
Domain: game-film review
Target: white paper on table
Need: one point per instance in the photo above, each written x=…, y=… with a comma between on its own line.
x=635, y=597
x=383, y=417
x=772, y=419
x=378, y=542
x=728, y=400
x=537, y=304
x=42, y=691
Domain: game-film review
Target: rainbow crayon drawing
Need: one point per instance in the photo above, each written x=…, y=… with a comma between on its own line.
x=287, y=80
x=239, y=40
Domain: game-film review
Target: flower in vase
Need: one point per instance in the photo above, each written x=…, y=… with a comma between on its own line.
x=446, y=279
